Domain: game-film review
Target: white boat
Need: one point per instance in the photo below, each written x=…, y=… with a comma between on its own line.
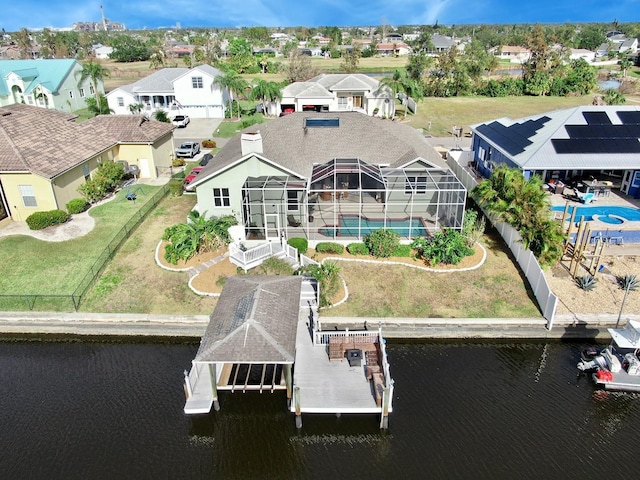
x=617, y=367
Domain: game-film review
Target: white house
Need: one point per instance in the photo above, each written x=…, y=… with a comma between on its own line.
x=102, y=52
x=339, y=92
x=50, y=83
x=513, y=53
x=181, y=91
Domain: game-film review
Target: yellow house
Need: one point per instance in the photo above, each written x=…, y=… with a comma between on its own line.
x=45, y=155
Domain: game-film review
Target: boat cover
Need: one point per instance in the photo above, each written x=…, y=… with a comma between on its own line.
x=627, y=337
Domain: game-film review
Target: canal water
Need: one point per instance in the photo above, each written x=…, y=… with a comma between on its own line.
x=461, y=410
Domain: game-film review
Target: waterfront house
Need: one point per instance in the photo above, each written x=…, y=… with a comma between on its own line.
x=45, y=155
x=50, y=83
x=565, y=144
x=332, y=176
x=176, y=91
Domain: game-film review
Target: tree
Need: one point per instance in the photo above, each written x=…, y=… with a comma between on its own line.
x=135, y=108
x=232, y=83
x=240, y=55
x=96, y=73
x=351, y=58
x=266, y=91
x=99, y=106
x=299, y=68
x=417, y=66
x=613, y=96
x=161, y=116
x=401, y=83
x=129, y=49
x=625, y=64
x=23, y=37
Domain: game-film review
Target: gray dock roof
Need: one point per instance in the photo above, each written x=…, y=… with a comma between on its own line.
x=254, y=321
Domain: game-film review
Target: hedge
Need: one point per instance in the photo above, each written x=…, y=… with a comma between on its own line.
x=302, y=244
x=358, y=249
x=329, y=247
x=77, y=205
x=40, y=220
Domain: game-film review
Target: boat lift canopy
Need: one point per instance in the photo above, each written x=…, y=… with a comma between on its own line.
x=627, y=337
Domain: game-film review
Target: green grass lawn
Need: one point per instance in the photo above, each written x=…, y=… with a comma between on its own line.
x=30, y=266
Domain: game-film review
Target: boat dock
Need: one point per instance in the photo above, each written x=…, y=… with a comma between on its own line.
x=264, y=336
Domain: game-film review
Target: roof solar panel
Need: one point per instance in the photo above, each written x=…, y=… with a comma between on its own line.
x=629, y=116
x=597, y=118
x=321, y=122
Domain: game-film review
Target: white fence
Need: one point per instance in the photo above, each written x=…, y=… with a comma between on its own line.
x=305, y=261
x=528, y=263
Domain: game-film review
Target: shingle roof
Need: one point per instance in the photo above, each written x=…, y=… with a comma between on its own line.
x=287, y=143
x=160, y=81
x=47, y=142
x=254, y=321
x=539, y=153
x=50, y=71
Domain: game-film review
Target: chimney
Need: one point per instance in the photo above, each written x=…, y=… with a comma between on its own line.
x=251, y=143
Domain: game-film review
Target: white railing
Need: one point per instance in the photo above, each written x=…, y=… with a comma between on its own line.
x=547, y=300
x=385, y=362
x=306, y=261
x=359, y=336
x=244, y=258
x=290, y=251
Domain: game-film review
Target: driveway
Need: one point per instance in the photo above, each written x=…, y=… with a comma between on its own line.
x=198, y=129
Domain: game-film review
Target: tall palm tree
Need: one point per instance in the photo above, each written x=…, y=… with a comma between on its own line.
x=96, y=73
x=400, y=82
x=266, y=91
x=233, y=84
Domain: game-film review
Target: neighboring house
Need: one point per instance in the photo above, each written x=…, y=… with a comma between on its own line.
x=513, y=53
x=45, y=155
x=51, y=83
x=181, y=50
x=399, y=49
x=441, y=43
x=617, y=43
x=177, y=91
x=578, y=53
x=333, y=176
x=102, y=52
x=565, y=144
x=339, y=92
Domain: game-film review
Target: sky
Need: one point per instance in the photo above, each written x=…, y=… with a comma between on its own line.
x=138, y=14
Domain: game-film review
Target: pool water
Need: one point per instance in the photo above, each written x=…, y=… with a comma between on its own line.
x=603, y=212
x=349, y=227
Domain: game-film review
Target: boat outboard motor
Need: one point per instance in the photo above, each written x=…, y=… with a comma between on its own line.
x=597, y=362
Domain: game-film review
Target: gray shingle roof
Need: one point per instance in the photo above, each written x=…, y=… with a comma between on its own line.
x=287, y=143
x=254, y=321
x=160, y=81
x=47, y=142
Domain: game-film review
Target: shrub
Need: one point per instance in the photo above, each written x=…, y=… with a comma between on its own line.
x=628, y=281
x=274, y=266
x=208, y=143
x=447, y=246
x=328, y=275
x=302, y=244
x=402, y=251
x=357, y=249
x=40, y=220
x=474, y=226
x=178, y=162
x=382, y=242
x=176, y=187
x=105, y=179
x=77, y=205
x=329, y=247
x=586, y=282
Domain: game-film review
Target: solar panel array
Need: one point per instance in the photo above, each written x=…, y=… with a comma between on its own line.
x=321, y=122
x=514, y=138
x=601, y=136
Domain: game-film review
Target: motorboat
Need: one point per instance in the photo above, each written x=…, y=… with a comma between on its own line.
x=617, y=366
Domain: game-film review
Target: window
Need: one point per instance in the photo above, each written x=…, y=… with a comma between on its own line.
x=30, y=100
x=120, y=101
x=482, y=153
x=221, y=197
x=292, y=200
x=91, y=90
x=82, y=93
x=342, y=102
x=86, y=172
x=196, y=82
x=28, y=195
x=70, y=93
x=417, y=185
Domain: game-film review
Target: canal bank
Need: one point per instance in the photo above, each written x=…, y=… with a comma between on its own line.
x=583, y=326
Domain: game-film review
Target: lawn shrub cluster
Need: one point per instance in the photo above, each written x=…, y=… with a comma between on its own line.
x=77, y=205
x=275, y=266
x=178, y=162
x=328, y=275
x=402, y=251
x=446, y=246
x=104, y=180
x=357, y=248
x=209, y=143
x=176, y=187
x=40, y=220
x=302, y=244
x=329, y=247
x=382, y=243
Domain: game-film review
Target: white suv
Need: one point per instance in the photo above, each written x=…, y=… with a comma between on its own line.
x=180, y=121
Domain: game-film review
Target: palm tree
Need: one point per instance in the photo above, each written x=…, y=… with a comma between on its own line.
x=266, y=91
x=232, y=83
x=400, y=82
x=96, y=73
x=135, y=108
x=98, y=107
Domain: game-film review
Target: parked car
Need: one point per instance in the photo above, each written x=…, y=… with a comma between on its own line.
x=192, y=175
x=180, y=121
x=188, y=149
x=205, y=159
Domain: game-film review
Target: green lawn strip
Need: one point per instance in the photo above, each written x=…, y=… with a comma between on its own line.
x=56, y=268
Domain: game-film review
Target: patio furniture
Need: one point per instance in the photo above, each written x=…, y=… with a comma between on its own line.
x=586, y=198
x=292, y=221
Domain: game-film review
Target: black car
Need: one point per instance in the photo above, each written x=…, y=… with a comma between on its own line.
x=205, y=159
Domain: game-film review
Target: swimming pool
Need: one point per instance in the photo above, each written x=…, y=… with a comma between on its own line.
x=348, y=226
x=603, y=212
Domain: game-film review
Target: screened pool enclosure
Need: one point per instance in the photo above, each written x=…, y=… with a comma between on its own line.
x=346, y=199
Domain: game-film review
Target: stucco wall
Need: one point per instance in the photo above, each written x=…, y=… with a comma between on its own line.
x=41, y=188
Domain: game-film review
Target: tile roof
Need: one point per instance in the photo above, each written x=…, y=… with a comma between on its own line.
x=50, y=71
x=254, y=321
x=287, y=143
x=47, y=142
